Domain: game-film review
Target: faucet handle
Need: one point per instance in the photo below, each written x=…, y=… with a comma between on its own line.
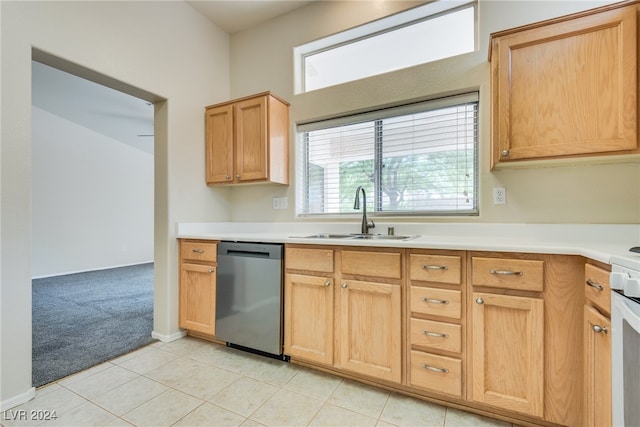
x=371, y=224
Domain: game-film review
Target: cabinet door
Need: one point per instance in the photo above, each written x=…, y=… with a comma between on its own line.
x=251, y=139
x=597, y=365
x=308, y=318
x=219, y=144
x=370, y=329
x=508, y=349
x=566, y=88
x=198, y=298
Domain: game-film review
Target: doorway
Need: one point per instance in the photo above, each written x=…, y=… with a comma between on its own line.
x=92, y=210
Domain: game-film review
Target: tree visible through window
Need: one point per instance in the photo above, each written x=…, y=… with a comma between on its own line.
x=414, y=159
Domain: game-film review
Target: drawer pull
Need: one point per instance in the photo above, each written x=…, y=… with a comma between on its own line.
x=433, y=368
x=435, y=267
x=198, y=251
x=596, y=285
x=600, y=329
x=344, y=285
x=479, y=301
x=327, y=283
x=435, y=334
x=435, y=301
x=506, y=273
x=211, y=270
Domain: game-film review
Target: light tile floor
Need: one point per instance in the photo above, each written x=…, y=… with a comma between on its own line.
x=190, y=382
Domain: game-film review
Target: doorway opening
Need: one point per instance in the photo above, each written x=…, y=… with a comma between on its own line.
x=93, y=150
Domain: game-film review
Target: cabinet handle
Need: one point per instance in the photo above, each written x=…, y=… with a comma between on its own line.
x=238, y=176
x=479, y=301
x=435, y=267
x=596, y=285
x=198, y=251
x=600, y=329
x=435, y=334
x=344, y=285
x=505, y=153
x=506, y=273
x=211, y=270
x=435, y=301
x=227, y=177
x=327, y=283
x=433, y=368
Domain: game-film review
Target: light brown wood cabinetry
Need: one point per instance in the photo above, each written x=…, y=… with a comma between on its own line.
x=566, y=87
x=309, y=304
x=343, y=309
x=247, y=141
x=435, y=321
x=197, y=289
x=597, y=348
x=525, y=341
x=508, y=352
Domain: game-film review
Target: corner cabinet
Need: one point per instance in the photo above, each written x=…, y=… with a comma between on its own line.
x=197, y=289
x=247, y=141
x=566, y=87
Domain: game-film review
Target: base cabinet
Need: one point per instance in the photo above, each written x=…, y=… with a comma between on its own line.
x=508, y=352
x=197, y=289
x=370, y=328
x=309, y=317
x=335, y=317
x=597, y=361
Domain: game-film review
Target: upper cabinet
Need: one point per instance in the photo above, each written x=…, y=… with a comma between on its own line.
x=566, y=87
x=247, y=141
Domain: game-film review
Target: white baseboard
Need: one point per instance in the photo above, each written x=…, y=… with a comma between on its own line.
x=168, y=338
x=18, y=400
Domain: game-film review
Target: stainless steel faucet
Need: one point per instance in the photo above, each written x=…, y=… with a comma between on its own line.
x=366, y=224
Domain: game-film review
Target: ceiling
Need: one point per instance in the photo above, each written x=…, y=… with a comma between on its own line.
x=123, y=117
x=237, y=15
x=103, y=110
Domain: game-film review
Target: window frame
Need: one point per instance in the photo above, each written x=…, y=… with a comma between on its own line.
x=303, y=160
x=371, y=29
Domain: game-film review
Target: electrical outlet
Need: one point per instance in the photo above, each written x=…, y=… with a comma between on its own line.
x=499, y=195
x=280, y=203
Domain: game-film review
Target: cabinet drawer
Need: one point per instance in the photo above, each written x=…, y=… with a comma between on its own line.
x=596, y=286
x=440, y=335
x=198, y=251
x=374, y=264
x=436, y=302
x=435, y=268
x=438, y=373
x=320, y=260
x=520, y=274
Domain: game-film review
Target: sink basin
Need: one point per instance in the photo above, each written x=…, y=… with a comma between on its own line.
x=358, y=236
x=384, y=237
x=328, y=236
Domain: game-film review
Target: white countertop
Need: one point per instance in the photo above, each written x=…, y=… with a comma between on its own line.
x=608, y=243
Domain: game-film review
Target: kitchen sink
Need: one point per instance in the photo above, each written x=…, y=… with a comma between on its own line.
x=358, y=236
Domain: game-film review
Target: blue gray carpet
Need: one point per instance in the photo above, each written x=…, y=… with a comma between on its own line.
x=83, y=319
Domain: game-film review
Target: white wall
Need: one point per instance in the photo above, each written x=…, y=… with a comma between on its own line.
x=92, y=199
x=166, y=51
x=568, y=193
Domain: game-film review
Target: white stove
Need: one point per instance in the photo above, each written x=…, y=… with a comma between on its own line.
x=625, y=344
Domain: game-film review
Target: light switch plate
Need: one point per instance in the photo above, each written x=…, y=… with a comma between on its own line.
x=280, y=202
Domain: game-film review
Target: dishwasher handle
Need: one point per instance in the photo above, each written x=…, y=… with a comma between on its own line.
x=252, y=250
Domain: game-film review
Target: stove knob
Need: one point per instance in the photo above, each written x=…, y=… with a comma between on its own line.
x=617, y=280
x=632, y=288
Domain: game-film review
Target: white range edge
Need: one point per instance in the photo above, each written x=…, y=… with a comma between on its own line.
x=608, y=243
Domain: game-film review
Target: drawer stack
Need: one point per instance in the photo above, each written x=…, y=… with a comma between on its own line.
x=435, y=321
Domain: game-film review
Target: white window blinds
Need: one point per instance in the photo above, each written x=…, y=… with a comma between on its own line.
x=415, y=159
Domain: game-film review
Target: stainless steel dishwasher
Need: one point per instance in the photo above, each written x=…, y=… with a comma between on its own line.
x=249, y=296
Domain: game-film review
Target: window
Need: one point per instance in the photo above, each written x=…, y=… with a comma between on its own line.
x=427, y=33
x=415, y=159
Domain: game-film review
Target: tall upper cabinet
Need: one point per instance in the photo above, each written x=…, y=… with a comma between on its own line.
x=247, y=141
x=566, y=87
